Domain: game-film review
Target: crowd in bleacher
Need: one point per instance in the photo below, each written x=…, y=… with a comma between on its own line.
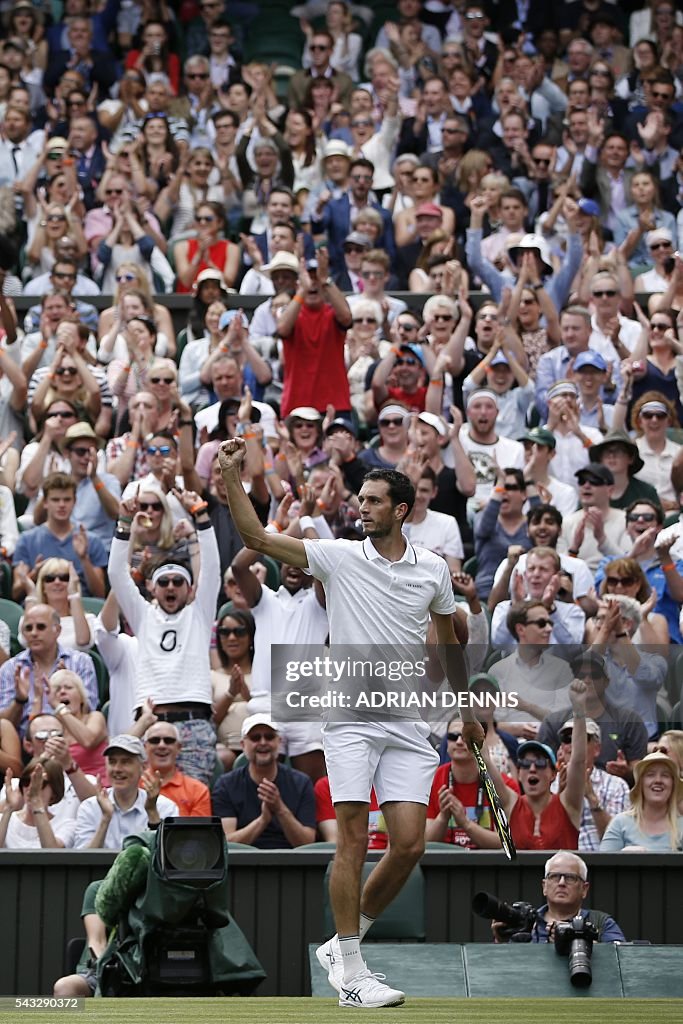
x=445, y=243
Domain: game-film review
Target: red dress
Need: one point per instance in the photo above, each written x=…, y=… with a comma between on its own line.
x=473, y=798
x=218, y=253
x=555, y=831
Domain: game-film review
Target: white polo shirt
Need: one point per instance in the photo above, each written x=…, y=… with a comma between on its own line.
x=371, y=600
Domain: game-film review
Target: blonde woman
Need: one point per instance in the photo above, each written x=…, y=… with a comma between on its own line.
x=57, y=585
x=652, y=824
x=116, y=343
x=70, y=378
x=56, y=222
x=363, y=348
x=85, y=730
x=131, y=278
x=671, y=744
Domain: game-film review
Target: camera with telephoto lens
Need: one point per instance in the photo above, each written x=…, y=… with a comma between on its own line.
x=575, y=939
x=518, y=918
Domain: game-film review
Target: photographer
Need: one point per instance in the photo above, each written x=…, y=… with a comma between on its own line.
x=565, y=887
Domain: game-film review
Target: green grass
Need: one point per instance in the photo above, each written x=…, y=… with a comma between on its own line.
x=325, y=1011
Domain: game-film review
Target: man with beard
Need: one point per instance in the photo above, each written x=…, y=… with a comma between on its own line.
x=484, y=446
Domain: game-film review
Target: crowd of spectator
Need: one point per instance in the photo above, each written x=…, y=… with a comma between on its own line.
x=446, y=244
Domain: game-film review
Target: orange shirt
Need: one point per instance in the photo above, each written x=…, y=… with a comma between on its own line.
x=191, y=797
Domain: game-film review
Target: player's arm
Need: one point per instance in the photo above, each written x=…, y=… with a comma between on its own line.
x=280, y=546
x=456, y=673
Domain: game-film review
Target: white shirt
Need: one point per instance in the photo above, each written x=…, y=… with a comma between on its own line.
x=545, y=684
x=629, y=334
x=582, y=577
x=120, y=654
x=282, y=618
x=21, y=836
x=564, y=497
x=438, y=533
x=122, y=824
x=63, y=813
x=617, y=542
x=360, y=585
x=173, y=662
x=571, y=455
x=504, y=451
x=657, y=468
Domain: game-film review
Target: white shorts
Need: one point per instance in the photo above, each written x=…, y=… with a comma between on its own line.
x=300, y=737
x=396, y=757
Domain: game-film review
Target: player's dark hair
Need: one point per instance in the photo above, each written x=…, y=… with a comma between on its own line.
x=401, y=490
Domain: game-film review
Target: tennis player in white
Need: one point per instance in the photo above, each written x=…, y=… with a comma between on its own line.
x=379, y=592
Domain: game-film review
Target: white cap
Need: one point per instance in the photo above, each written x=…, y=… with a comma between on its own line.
x=259, y=719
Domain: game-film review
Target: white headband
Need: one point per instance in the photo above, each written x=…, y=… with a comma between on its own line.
x=654, y=407
x=171, y=569
x=482, y=393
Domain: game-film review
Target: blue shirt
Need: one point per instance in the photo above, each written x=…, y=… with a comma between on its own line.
x=235, y=795
x=75, y=661
x=42, y=541
x=89, y=510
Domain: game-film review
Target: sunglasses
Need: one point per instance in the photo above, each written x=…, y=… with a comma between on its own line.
x=158, y=449
x=63, y=275
x=232, y=631
x=66, y=371
x=608, y=293
x=512, y=487
x=541, y=623
x=541, y=161
x=80, y=451
x=64, y=415
x=113, y=191
x=125, y=277
x=156, y=740
x=368, y=274
x=55, y=156
x=364, y=320
x=201, y=75
x=488, y=316
x=592, y=481
x=166, y=581
x=391, y=421
x=540, y=762
x=569, y=876
x=405, y=361
x=298, y=424
x=407, y=327
x=150, y=506
x=662, y=95
x=453, y=737
x=626, y=581
x=660, y=245
x=54, y=577
x=443, y=318
x=205, y=219
x=55, y=217
x=362, y=124
x=44, y=734
x=362, y=177
x=655, y=415
x=354, y=248
x=162, y=380
x=318, y=46
x=646, y=517
x=256, y=737
x=660, y=327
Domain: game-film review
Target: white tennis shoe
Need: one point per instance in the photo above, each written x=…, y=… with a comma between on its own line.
x=330, y=959
x=366, y=991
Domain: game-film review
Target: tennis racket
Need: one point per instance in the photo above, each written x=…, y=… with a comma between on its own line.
x=499, y=816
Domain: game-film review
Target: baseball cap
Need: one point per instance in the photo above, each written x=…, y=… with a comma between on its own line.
x=432, y=420
x=415, y=350
x=340, y=424
x=336, y=147
x=124, y=741
x=597, y=470
x=589, y=207
x=528, y=243
x=282, y=261
x=589, y=358
x=57, y=144
x=209, y=275
x=259, y=719
x=484, y=679
x=500, y=359
x=228, y=317
x=592, y=727
x=358, y=238
x=537, y=746
x=429, y=210
x=305, y=412
x=589, y=658
x=540, y=435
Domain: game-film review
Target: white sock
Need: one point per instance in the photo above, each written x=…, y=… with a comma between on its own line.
x=366, y=924
x=351, y=958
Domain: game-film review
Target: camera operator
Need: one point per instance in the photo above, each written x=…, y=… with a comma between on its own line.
x=565, y=887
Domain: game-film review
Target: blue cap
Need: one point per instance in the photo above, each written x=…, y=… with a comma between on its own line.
x=416, y=350
x=589, y=358
x=535, y=745
x=499, y=359
x=228, y=317
x=589, y=206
